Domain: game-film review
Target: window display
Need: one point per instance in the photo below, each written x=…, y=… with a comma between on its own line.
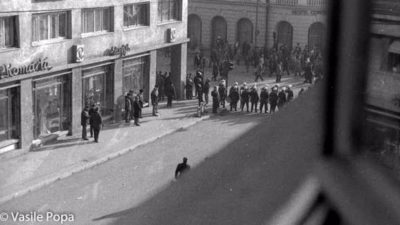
x=134, y=71
x=9, y=114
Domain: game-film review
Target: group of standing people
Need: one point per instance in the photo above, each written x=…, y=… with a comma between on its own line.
x=165, y=87
x=91, y=116
x=133, y=106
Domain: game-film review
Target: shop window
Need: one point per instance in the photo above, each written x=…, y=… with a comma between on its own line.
x=134, y=73
x=169, y=10
x=52, y=105
x=8, y=32
x=9, y=114
x=96, y=20
x=49, y=26
x=98, y=89
x=136, y=15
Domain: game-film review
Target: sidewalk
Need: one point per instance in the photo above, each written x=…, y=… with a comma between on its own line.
x=71, y=154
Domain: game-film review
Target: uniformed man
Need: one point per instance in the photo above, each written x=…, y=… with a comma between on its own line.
x=245, y=98
x=254, y=98
x=282, y=98
x=289, y=93
x=264, y=96
x=222, y=92
x=234, y=96
x=273, y=99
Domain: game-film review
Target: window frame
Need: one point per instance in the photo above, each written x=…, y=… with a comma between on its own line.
x=175, y=16
x=15, y=30
x=138, y=24
x=102, y=30
x=36, y=24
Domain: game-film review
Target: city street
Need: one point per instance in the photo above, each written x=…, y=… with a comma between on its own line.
x=133, y=178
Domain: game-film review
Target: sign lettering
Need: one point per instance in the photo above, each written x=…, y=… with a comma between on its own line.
x=7, y=70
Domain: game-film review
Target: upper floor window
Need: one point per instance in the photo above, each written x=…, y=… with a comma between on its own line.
x=96, y=20
x=169, y=10
x=8, y=32
x=49, y=26
x=136, y=15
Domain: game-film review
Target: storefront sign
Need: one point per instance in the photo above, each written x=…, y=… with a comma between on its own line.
x=120, y=51
x=171, y=35
x=79, y=53
x=7, y=70
x=307, y=12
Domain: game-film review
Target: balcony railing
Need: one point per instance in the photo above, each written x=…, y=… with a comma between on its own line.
x=287, y=2
x=317, y=2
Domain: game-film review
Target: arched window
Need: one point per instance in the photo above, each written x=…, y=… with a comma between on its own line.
x=244, y=31
x=194, y=31
x=285, y=34
x=316, y=36
x=219, y=28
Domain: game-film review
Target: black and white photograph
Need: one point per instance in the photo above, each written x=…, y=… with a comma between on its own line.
x=200, y=112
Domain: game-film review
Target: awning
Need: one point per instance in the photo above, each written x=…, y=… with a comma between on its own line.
x=395, y=47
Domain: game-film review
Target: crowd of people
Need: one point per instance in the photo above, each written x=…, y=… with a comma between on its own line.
x=306, y=62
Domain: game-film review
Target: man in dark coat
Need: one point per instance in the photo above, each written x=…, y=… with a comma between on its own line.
x=91, y=111
x=234, y=96
x=308, y=72
x=131, y=97
x=289, y=93
x=282, y=98
x=170, y=91
x=273, y=99
x=215, y=71
x=136, y=110
x=206, y=89
x=254, y=98
x=245, y=95
x=128, y=107
x=215, y=98
x=200, y=93
x=222, y=93
x=181, y=168
x=264, y=96
x=160, y=83
x=141, y=101
x=96, y=122
x=154, y=100
x=84, y=122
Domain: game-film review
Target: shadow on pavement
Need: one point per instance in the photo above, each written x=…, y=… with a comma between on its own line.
x=246, y=181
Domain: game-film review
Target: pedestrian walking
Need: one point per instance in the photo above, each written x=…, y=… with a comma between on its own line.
x=264, y=96
x=215, y=71
x=189, y=89
x=245, y=95
x=136, y=110
x=308, y=74
x=259, y=71
x=128, y=107
x=141, y=101
x=273, y=99
x=84, y=122
x=170, y=91
x=182, y=168
x=234, y=96
x=154, y=100
x=215, y=99
x=131, y=97
x=96, y=122
x=254, y=98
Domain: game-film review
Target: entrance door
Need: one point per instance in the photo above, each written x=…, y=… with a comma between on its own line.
x=219, y=28
x=316, y=36
x=194, y=31
x=285, y=33
x=244, y=31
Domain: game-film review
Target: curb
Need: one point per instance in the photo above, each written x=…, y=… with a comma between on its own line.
x=35, y=184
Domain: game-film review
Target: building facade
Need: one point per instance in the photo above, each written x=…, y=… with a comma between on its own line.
x=56, y=56
x=260, y=22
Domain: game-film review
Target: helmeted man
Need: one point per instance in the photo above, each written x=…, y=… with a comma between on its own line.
x=289, y=93
x=273, y=99
x=282, y=98
x=215, y=99
x=222, y=92
x=254, y=98
x=264, y=96
x=234, y=96
x=245, y=95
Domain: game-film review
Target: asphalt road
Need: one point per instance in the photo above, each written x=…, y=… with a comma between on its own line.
x=132, y=179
